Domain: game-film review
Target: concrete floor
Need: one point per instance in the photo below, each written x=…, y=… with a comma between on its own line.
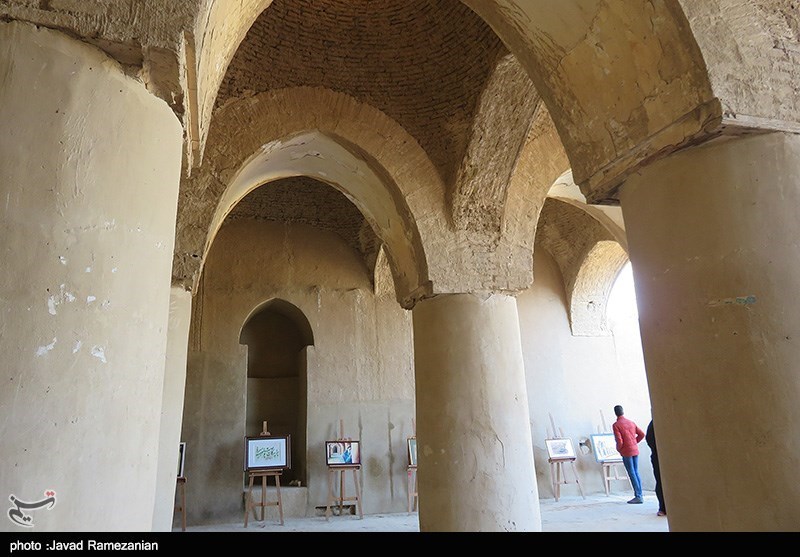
x=571, y=513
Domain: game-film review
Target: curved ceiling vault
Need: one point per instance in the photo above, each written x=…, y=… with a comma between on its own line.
x=332, y=161
x=429, y=64
x=625, y=82
x=589, y=258
x=423, y=64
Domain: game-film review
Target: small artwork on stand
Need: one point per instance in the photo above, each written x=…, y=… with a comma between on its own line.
x=181, y=458
x=343, y=453
x=412, y=452
x=604, y=447
x=267, y=453
x=560, y=449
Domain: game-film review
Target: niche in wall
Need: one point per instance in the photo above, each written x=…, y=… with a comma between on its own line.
x=276, y=336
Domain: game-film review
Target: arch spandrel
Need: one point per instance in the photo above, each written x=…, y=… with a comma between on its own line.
x=221, y=27
x=588, y=298
x=696, y=68
x=587, y=251
x=332, y=161
x=364, y=140
x=614, y=105
x=752, y=52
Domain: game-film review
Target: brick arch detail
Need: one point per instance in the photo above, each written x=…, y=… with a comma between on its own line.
x=243, y=130
x=596, y=276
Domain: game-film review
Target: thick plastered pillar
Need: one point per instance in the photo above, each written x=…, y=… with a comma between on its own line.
x=473, y=433
x=713, y=234
x=180, y=314
x=89, y=174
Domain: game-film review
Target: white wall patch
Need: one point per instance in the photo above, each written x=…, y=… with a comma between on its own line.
x=99, y=353
x=60, y=298
x=42, y=350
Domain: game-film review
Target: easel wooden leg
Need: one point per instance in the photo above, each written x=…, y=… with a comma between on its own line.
x=358, y=493
x=181, y=506
x=416, y=491
x=341, y=492
x=328, y=510
x=280, y=502
x=334, y=500
x=555, y=475
x=577, y=479
x=412, y=489
x=559, y=476
x=248, y=505
x=408, y=491
x=263, y=499
x=251, y=505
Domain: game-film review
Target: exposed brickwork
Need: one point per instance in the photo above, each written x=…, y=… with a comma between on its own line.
x=423, y=63
x=306, y=201
x=589, y=296
x=499, y=131
x=625, y=83
x=569, y=234
x=245, y=127
x=624, y=87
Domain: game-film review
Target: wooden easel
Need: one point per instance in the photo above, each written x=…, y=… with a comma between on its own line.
x=338, y=472
x=611, y=470
x=413, y=496
x=557, y=472
x=250, y=504
x=181, y=507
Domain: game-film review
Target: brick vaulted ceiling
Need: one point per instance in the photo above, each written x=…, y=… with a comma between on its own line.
x=305, y=201
x=423, y=63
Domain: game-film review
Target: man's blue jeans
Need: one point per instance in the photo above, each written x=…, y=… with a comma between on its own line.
x=632, y=466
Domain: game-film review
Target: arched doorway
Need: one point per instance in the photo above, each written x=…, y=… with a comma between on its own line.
x=276, y=336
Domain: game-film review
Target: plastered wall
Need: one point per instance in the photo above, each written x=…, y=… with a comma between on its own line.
x=360, y=369
x=574, y=378
x=87, y=234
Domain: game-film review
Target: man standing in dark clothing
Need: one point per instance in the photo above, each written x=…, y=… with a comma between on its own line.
x=650, y=438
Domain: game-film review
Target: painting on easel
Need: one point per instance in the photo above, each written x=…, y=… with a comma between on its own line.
x=604, y=447
x=267, y=453
x=560, y=449
x=343, y=453
x=181, y=458
x=412, y=451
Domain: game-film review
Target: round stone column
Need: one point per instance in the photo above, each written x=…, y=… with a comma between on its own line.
x=474, y=447
x=714, y=236
x=180, y=316
x=89, y=174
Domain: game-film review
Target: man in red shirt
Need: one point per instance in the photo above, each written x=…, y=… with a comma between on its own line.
x=628, y=436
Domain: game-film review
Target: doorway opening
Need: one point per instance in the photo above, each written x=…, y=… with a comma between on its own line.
x=277, y=336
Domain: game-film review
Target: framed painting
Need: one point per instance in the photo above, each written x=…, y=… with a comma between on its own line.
x=560, y=449
x=343, y=453
x=604, y=447
x=181, y=458
x=412, y=452
x=267, y=453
